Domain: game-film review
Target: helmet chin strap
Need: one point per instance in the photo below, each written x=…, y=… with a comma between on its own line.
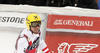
x=31, y=30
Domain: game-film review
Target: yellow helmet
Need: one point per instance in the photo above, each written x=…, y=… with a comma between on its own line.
x=32, y=18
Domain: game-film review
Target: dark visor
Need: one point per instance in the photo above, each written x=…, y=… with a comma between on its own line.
x=36, y=23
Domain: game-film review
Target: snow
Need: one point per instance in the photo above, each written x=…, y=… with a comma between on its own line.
x=8, y=39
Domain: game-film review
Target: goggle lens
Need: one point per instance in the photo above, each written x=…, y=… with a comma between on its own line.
x=36, y=23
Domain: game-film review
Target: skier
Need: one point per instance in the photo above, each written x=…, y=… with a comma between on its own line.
x=30, y=39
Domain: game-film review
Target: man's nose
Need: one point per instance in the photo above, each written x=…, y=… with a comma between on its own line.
x=37, y=26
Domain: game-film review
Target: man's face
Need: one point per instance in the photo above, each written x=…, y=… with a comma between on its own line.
x=35, y=29
x=35, y=26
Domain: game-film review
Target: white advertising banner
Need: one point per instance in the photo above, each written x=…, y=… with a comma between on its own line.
x=12, y=19
x=16, y=19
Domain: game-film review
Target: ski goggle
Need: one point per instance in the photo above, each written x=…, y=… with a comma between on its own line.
x=36, y=23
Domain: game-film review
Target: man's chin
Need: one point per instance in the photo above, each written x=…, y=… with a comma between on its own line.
x=36, y=32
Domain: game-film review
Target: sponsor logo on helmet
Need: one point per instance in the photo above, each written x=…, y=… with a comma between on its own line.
x=36, y=17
